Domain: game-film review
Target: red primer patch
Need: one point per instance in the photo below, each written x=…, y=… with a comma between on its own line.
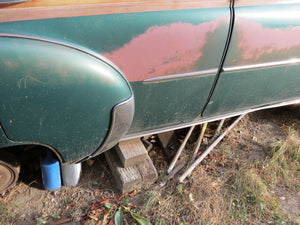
x=256, y=40
x=163, y=50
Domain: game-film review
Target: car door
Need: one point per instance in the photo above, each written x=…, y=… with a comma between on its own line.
x=262, y=65
x=175, y=66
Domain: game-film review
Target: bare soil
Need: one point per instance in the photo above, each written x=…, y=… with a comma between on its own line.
x=250, y=140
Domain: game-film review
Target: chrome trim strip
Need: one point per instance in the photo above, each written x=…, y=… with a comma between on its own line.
x=262, y=65
x=225, y=69
x=122, y=116
x=78, y=48
x=182, y=75
x=211, y=119
x=11, y=1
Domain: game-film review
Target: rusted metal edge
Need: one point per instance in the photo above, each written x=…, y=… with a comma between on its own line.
x=208, y=120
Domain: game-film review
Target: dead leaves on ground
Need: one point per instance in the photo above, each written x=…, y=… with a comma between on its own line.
x=111, y=211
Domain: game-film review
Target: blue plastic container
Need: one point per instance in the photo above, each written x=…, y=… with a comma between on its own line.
x=50, y=171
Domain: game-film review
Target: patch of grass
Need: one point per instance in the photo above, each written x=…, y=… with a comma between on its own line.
x=4, y=213
x=251, y=201
x=164, y=207
x=227, y=190
x=282, y=166
x=198, y=202
x=249, y=188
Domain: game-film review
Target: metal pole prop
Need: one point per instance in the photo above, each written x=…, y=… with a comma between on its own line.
x=180, y=149
x=208, y=150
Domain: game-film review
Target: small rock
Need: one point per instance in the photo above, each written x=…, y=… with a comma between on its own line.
x=282, y=198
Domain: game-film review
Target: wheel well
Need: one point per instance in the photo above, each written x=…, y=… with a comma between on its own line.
x=21, y=153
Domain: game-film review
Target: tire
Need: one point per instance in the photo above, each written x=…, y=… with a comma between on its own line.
x=9, y=171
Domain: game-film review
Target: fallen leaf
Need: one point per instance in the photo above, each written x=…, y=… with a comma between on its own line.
x=119, y=217
x=139, y=219
x=134, y=193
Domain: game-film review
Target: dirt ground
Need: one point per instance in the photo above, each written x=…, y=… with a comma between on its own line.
x=28, y=203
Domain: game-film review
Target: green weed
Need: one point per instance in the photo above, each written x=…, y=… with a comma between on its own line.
x=4, y=213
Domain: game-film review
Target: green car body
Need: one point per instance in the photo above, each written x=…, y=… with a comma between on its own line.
x=80, y=84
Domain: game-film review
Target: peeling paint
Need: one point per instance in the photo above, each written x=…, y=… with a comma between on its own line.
x=163, y=50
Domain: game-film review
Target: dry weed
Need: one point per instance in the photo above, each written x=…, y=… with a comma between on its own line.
x=282, y=167
x=227, y=190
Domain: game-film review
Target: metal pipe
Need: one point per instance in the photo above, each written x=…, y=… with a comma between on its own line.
x=180, y=149
x=199, y=141
x=208, y=150
x=173, y=173
x=218, y=130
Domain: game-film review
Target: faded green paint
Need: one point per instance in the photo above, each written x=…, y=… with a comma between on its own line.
x=262, y=34
x=249, y=89
x=57, y=96
x=168, y=103
x=51, y=113
x=4, y=142
x=105, y=33
x=271, y=16
x=63, y=98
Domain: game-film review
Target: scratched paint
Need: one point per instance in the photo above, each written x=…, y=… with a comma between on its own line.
x=255, y=40
x=26, y=79
x=164, y=50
